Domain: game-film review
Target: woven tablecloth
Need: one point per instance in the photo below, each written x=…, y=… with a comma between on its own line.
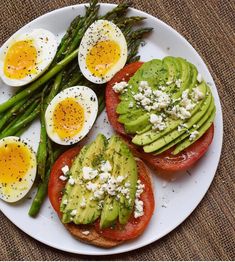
x=209, y=232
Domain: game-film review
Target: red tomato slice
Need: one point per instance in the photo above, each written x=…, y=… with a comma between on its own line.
x=165, y=162
x=56, y=185
x=135, y=226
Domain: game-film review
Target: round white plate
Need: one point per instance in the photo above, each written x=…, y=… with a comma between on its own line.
x=174, y=200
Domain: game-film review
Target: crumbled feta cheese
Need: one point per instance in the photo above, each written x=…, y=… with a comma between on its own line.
x=199, y=78
x=186, y=102
x=182, y=127
x=162, y=88
x=127, y=184
x=65, y=170
x=120, y=87
x=74, y=212
x=139, y=189
x=179, y=112
x=197, y=94
x=193, y=135
x=99, y=194
x=89, y=173
x=86, y=233
x=71, y=181
x=139, y=97
x=120, y=179
x=83, y=202
x=178, y=83
x=104, y=176
x=144, y=84
x=63, y=178
x=139, y=208
x=91, y=186
x=157, y=121
x=65, y=202
x=131, y=104
x=169, y=83
x=106, y=166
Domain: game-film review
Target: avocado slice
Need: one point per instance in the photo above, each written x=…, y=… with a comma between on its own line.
x=133, y=115
x=169, y=137
x=137, y=125
x=187, y=133
x=187, y=142
x=124, y=165
x=91, y=212
x=184, y=76
x=152, y=135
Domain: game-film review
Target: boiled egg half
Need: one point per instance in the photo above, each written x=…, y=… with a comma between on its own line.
x=71, y=114
x=24, y=57
x=17, y=168
x=102, y=52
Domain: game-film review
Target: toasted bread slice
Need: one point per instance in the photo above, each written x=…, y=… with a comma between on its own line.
x=93, y=238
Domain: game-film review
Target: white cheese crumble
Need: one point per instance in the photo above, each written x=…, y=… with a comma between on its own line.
x=131, y=104
x=65, y=202
x=186, y=102
x=91, y=186
x=63, y=178
x=139, y=208
x=157, y=121
x=86, y=233
x=65, y=170
x=197, y=94
x=182, y=127
x=83, y=202
x=106, y=166
x=199, y=78
x=104, y=176
x=73, y=212
x=139, y=205
x=193, y=135
x=178, y=83
x=89, y=173
x=120, y=87
x=169, y=83
x=71, y=181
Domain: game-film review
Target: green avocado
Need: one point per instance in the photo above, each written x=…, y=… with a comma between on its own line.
x=152, y=135
x=91, y=158
x=187, y=131
x=172, y=75
x=124, y=165
x=169, y=137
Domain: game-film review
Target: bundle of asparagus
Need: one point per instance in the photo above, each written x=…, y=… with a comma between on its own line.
x=17, y=113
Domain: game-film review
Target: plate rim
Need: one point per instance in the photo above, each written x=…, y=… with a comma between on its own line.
x=219, y=112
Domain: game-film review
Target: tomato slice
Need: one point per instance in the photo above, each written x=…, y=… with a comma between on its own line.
x=56, y=185
x=165, y=163
x=135, y=226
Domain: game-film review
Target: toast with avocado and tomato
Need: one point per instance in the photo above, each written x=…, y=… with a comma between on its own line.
x=164, y=110
x=101, y=193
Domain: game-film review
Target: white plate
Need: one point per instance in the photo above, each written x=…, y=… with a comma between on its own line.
x=175, y=200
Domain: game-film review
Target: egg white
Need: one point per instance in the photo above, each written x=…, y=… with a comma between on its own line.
x=14, y=191
x=46, y=46
x=97, y=32
x=87, y=99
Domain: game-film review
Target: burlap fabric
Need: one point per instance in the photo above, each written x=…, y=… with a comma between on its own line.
x=208, y=234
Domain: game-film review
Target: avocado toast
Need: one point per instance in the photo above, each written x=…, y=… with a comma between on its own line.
x=163, y=108
x=104, y=193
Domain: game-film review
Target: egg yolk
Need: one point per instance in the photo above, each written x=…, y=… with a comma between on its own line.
x=68, y=118
x=14, y=162
x=20, y=60
x=102, y=57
